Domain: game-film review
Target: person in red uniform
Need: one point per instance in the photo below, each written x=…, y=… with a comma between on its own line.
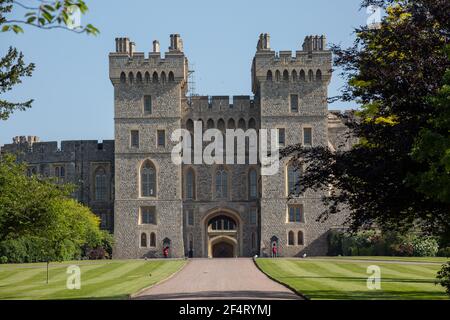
x=166, y=252
x=274, y=250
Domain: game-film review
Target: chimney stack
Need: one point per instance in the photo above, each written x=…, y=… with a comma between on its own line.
x=156, y=47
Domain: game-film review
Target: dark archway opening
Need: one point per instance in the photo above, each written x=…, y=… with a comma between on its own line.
x=223, y=250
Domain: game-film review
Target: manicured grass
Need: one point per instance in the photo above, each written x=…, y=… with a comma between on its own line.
x=378, y=258
x=112, y=279
x=333, y=279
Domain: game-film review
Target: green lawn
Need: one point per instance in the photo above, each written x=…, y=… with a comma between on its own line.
x=111, y=279
x=342, y=278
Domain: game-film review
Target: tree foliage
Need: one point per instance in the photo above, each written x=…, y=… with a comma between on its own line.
x=40, y=14
x=38, y=218
x=57, y=14
x=396, y=73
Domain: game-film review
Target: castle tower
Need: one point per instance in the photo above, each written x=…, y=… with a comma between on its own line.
x=147, y=109
x=292, y=92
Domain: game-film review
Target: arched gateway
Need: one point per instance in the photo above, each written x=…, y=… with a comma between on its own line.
x=223, y=234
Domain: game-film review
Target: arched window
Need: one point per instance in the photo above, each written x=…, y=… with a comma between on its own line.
x=294, y=76
x=319, y=75
x=190, y=184
x=221, y=125
x=231, y=124
x=139, y=77
x=253, y=184
x=190, y=125
x=163, y=77
x=148, y=180
x=221, y=183
x=147, y=77
x=241, y=124
x=143, y=240
x=152, y=239
x=293, y=177
x=269, y=75
x=291, y=241
x=155, y=77
x=222, y=223
x=300, y=240
x=210, y=124
x=100, y=185
x=131, y=77
x=302, y=75
x=310, y=75
x=252, y=123
x=123, y=77
x=277, y=75
x=285, y=75
x=171, y=77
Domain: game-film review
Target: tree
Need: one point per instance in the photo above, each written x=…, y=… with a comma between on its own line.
x=39, y=220
x=392, y=71
x=432, y=147
x=43, y=15
x=443, y=277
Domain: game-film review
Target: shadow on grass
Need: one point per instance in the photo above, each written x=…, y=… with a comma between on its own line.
x=361, y=279
x=117, y=297
x=220, y=295
x=373, y=295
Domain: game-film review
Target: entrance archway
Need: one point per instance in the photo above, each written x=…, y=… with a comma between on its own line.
x=222, y=250
x=222, y=234
x=222, y=247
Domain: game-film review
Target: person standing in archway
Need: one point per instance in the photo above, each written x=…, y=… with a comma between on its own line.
x=166, y=252
x=274, y=250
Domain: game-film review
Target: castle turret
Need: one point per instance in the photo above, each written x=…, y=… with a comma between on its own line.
x=147, y=104
x=292, y=94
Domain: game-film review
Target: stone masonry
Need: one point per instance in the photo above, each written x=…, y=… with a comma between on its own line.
x=184, y=209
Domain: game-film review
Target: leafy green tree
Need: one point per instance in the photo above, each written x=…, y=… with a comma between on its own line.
x=391, y=71
x=40, y=14
x=432, y=148
x=39, y=221
x=443, y=277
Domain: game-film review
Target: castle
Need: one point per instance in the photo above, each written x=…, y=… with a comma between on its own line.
x=200, y=210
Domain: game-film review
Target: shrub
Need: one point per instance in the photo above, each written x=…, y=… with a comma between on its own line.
x=14, y=249
x=99, y=246
x=3, y=259
x=402, y=250
x=335, y=243
x=444, y=252
x=425, y=247
x=443, y=277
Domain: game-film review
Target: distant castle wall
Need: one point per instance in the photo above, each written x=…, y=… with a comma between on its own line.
x=76, y=162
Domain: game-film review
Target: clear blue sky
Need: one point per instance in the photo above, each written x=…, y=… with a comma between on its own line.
x=72, y=92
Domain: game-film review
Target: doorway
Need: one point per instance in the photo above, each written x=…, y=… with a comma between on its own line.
x=223, y=250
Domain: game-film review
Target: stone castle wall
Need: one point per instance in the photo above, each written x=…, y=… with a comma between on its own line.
x=276, y=76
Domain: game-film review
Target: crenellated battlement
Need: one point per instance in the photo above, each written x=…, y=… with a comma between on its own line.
x=311, y=64
x=219, y=103
x=126, y=66
x=24, y=147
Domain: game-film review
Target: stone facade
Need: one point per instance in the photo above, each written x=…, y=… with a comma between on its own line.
x=184, y=208
x=75, y=162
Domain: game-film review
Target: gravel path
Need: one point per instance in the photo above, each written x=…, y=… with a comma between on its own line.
x=218, y=279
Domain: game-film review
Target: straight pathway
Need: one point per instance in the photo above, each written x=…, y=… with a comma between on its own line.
x=218, y=279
